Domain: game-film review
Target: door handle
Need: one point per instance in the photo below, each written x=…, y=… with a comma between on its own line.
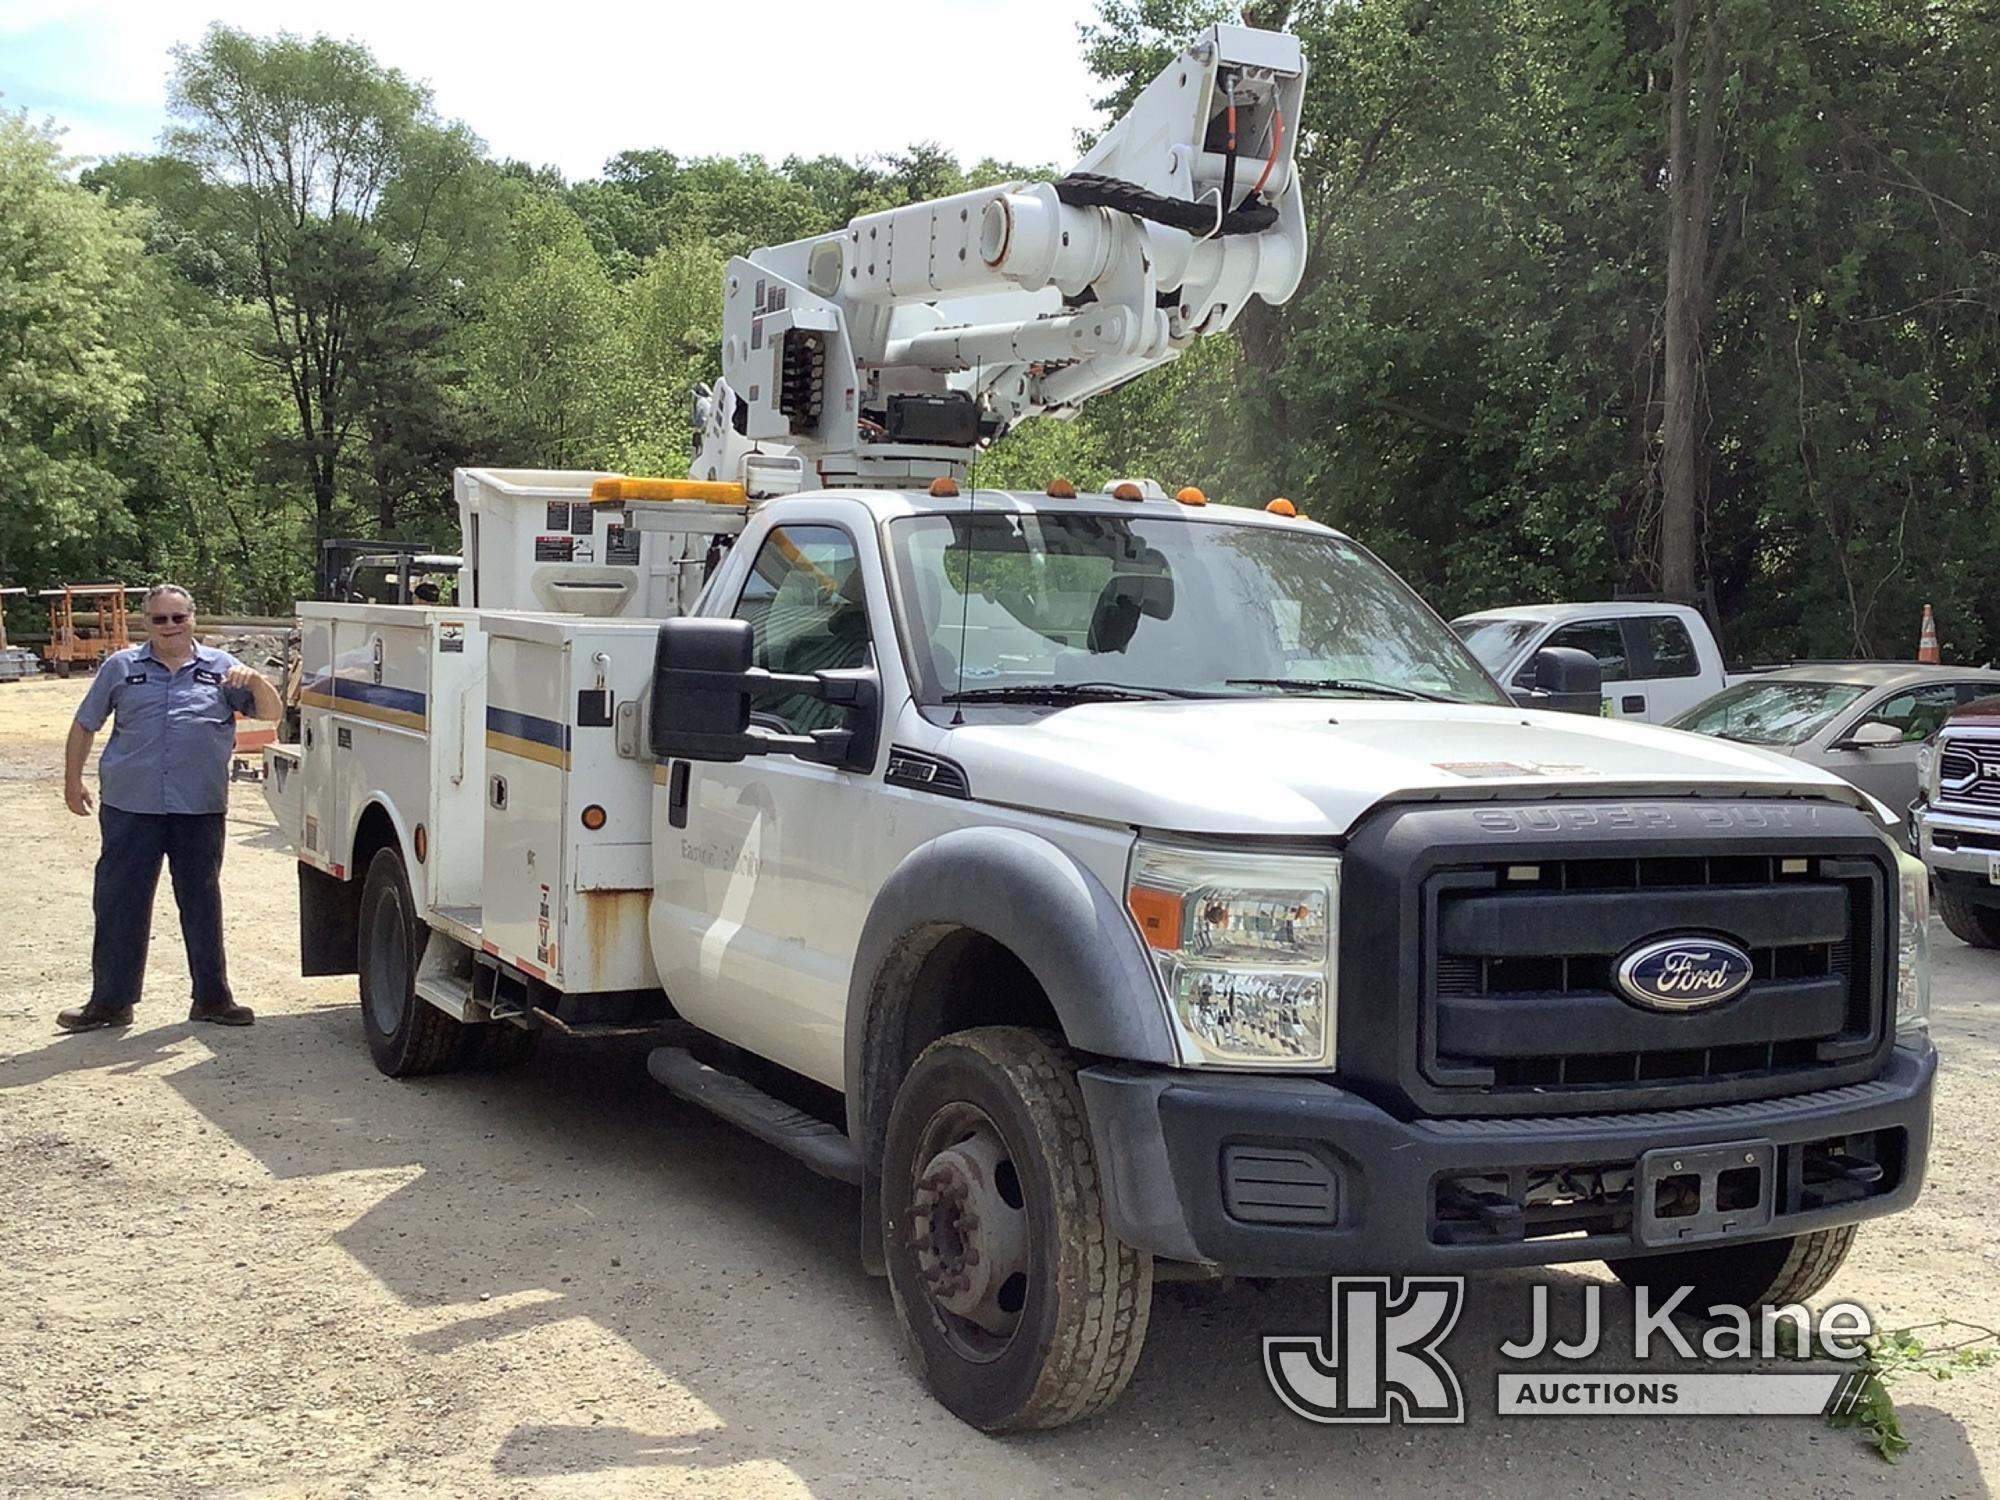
x=1632, y=703
x=677, y=795
x=496, y=791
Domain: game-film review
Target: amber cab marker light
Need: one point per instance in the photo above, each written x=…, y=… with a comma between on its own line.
x=943, y=487
x=1158, y=914
x=1191, y=496
x=1128, y=492
x=422, y=840
x=1061, y=489
x=593, y=817
x=1282, y=507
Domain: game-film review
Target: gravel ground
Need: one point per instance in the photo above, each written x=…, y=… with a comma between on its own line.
x=242, y=1263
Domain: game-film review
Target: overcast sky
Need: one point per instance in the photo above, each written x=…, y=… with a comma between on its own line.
x=569, y=84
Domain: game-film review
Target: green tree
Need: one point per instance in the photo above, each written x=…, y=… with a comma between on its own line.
x=69, y=278
x=545, y=356
x=349, y=200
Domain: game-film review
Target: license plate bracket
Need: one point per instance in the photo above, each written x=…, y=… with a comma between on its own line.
x=1709, y=1193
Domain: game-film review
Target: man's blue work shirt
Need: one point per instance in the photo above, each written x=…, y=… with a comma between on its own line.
x=172, y=730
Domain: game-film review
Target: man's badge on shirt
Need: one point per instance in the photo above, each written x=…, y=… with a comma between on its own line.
x=136, y=679
x=209, y=675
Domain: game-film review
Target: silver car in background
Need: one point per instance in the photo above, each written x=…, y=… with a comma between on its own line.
x=1863, y=721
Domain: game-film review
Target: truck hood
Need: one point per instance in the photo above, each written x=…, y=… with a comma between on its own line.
x=1312, y=767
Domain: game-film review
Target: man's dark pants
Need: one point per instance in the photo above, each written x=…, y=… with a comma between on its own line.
x=128, y=872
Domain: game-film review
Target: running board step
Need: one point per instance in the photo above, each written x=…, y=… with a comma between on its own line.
x=821, y=1147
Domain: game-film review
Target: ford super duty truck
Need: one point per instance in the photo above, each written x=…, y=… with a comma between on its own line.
x=1103, y=881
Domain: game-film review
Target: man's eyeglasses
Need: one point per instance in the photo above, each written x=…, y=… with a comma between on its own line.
x=168, y=619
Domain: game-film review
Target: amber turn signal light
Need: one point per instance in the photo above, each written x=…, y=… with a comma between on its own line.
x=1158, y=914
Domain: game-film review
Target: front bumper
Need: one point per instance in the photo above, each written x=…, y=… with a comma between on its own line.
x=1360, y=1190
x=1967, y=846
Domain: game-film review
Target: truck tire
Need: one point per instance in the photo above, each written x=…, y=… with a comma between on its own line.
x=1019, y=1304
x=1977, y=925
x=1768, y=1273
x=406, y=1035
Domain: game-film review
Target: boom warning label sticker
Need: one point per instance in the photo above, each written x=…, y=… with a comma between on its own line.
x=554, y=548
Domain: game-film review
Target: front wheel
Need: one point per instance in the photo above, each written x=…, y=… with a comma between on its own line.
x=1766, y=1273
x=1019, y=1303
x=407, y=1035
x=1977, y=925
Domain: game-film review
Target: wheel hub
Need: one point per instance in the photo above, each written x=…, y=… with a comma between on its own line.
x=969, y=1229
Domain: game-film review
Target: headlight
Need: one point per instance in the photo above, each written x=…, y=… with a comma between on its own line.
x=1245, y=948
x=1913, y=947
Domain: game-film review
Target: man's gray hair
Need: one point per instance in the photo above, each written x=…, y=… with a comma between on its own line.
x=168, y=588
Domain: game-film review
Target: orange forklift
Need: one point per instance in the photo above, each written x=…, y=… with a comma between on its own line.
x=87, y=622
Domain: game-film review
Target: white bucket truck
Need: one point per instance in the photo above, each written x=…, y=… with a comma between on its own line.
x=1104, y=880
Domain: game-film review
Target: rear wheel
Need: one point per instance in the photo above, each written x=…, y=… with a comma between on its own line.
x=1768, y=1273
x=1020, y=1305
x=1977, y=925
x=407, y=1036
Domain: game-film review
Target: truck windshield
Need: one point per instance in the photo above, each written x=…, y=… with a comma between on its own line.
x=1770, y=713
x=1495, y=642
x=1002, y=605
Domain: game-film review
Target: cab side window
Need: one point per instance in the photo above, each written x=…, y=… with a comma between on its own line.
x=1602, y=639
x=1671, y=647
x=807, y=614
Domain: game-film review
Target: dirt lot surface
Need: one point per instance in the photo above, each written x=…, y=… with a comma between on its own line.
x=242, y=1263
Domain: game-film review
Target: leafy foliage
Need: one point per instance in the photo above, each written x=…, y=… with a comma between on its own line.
x=321, y=296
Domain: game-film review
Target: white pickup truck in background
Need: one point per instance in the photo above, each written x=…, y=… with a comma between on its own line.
x=1659, y=660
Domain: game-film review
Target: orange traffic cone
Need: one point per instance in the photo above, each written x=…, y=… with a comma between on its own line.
x=1927, y=646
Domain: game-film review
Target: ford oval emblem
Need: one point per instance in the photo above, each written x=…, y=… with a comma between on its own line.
x=1683, y=973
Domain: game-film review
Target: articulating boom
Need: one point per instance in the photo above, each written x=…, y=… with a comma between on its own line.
x=885, y=354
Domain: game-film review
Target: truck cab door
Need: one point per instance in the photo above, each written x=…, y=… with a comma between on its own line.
x=1669, y=668
x=764, y=868
x=1605, y=640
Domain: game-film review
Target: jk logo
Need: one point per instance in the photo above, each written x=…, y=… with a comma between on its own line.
x=1381, y=1362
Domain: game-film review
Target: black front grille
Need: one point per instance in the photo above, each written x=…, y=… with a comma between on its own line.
x=1478, y=944
x=1520, y=992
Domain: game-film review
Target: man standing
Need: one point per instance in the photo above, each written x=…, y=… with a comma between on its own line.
x=165, y=783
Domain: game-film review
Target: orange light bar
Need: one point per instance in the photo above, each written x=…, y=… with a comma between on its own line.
x=1282, y=507
x=620, y=489
x=1158, y=913
x=943, y=487
x=1191, y=496
x=1061, y=489
x=1128, y=492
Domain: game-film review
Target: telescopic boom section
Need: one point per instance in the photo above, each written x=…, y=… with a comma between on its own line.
x=885, y=354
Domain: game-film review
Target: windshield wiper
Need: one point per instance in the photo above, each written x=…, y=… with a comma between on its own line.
x=1342, y=685
x=1066, y=692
